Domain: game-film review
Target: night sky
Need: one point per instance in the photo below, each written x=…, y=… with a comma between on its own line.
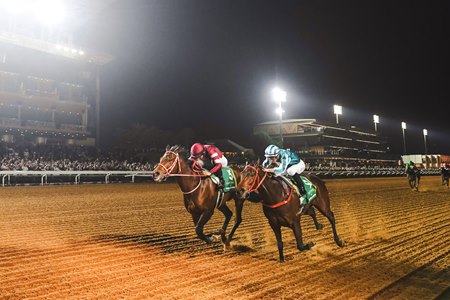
x=213, y=63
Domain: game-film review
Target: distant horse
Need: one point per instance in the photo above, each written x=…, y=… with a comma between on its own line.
x=281, y=204
x=445, y=175
x=413, y=175
x=200, y=194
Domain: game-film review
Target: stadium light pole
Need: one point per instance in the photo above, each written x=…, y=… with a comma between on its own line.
x=404, y=140
x=337, y=112
x=279, y=96
x=425, y=133
x=376, y=120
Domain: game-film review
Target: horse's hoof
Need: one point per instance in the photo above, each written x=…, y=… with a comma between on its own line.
x=340, y=243
x=306, y=247
x=319, y=227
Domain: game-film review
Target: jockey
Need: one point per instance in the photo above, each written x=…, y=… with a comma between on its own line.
x=290, y=164
x=200, y=151
x=445, y=171
x=409, y=165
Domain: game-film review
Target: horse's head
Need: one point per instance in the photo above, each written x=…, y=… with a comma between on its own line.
x=169, y=164
x=250, y=182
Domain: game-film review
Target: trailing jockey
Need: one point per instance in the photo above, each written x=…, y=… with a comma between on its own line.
x=200, y=152
x=410, y=166
x=290, y=163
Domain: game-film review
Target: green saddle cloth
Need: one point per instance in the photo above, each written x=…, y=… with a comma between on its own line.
x=311, y=190
x=229, y=184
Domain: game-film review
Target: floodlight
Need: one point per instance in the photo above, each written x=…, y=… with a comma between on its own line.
x=337, y=109
x=337, y=112
x=278, y=95
x=376, y=120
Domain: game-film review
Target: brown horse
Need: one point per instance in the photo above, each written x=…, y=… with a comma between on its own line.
x=201, y=196
x=281, y=204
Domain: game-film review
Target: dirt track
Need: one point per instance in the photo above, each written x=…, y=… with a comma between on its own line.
x=136, y=241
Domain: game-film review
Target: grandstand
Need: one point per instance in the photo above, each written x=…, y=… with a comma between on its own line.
x=49, y=86
x=323, y=143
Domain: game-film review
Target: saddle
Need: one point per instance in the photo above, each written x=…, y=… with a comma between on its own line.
x=287, y=183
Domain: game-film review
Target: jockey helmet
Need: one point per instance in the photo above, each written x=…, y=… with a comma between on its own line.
x=271, y=151
x=197, y=151
x=410, y=162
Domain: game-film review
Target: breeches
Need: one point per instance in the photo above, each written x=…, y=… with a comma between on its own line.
x=224, y=161
x=296, y=169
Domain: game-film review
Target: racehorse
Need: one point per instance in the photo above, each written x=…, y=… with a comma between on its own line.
x=281, y=204
x=445, y=175
x=413, y=175
x=200, y=194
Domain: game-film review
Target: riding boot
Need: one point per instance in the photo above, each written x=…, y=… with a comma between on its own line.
x=300, y=184
x=302, y=189
x=219, y=175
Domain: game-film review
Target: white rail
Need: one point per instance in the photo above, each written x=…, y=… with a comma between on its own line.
x=6, y=175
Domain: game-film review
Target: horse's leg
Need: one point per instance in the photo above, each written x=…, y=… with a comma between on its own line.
x=277, y=230
x=297, y=228
x=228, y=214
x=202, y=220
x=330, y=216
x=238, y=219
x=312, y=212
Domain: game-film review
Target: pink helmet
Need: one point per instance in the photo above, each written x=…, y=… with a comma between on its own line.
x=196, y=151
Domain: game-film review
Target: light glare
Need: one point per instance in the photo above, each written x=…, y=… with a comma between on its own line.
x=403, y=125
x=425, y=132
x=279, y=111
x=278, y=95
x=50, y=12
x=337, y=109
x=15, y=6
x=376, y=119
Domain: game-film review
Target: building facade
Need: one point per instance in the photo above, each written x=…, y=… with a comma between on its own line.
x=330, y=144
x=49, y=88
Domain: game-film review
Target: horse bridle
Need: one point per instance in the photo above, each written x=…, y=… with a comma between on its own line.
x=172, y=166
x=174, y=163
x=258, y=181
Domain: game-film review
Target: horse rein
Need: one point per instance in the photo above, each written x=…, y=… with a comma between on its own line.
x=260, y=181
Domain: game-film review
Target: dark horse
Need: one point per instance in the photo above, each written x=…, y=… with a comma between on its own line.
x=445, y=175
x=200, y=193
x=413, y=175
x=281, y=204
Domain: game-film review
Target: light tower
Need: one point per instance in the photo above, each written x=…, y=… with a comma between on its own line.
x=337, y=112
x=279, y=96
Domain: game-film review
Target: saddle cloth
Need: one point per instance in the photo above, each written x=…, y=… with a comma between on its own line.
x=311, y=189
x=229, y=184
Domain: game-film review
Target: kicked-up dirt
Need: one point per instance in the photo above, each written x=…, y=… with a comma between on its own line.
x=136, y=241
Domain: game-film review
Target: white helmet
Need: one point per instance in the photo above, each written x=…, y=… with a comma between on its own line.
x=271, y=151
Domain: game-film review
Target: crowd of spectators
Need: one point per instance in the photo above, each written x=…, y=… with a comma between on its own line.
x=17, y=157
x=64, y=158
